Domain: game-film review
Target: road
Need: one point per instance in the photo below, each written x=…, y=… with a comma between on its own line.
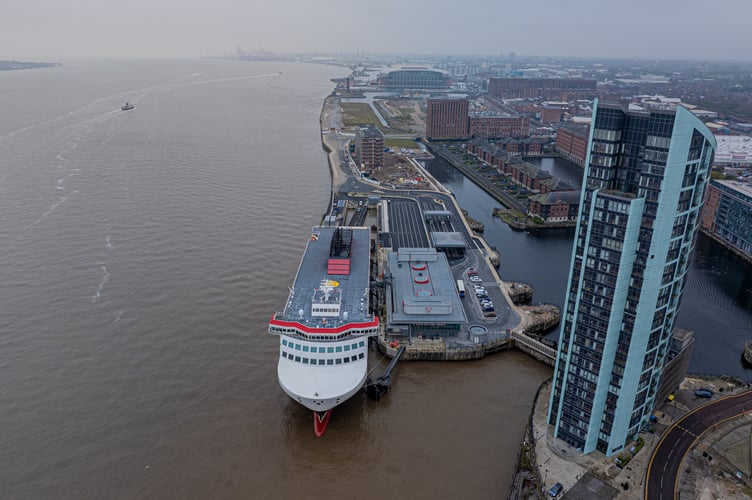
x=662, y=476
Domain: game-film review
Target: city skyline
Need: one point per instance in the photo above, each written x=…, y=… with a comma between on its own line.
x=168, y=28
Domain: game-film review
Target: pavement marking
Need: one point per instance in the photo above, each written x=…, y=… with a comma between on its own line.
x=686, y=430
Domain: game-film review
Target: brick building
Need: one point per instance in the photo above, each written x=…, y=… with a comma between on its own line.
x=369, y=147
x=496, y=126
x=447, y=119
x=552, y=112
x=557, y=206
x=527, y=175
x=547, y=88
x=571, y=142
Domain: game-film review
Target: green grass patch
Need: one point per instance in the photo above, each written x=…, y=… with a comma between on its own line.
x=400, y=143
x=356, y=113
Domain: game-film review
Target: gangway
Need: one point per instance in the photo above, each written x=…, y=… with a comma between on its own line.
x=384, y=382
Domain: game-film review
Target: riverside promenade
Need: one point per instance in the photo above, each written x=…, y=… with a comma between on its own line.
x=727, y=439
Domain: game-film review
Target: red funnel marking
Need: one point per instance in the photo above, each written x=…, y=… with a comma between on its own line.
x=320, y=422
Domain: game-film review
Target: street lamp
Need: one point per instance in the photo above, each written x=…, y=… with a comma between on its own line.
x=545, y=476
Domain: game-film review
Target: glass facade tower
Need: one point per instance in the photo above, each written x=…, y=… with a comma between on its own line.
x=645, y=179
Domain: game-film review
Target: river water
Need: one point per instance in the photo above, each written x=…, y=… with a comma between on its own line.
x=143, y=253
x=717, y=302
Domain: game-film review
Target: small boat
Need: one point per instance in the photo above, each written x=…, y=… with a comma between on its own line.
x=127, y=106
x=747, y=354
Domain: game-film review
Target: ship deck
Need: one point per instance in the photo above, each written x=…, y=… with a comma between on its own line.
x=352, y=280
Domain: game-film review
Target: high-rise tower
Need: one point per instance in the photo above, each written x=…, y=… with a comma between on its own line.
x=644, y=185
x=447, y=119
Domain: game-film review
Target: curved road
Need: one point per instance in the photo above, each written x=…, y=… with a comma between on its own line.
x=662, y=476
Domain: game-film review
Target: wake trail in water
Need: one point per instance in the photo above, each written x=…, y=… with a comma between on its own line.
x=186, y=81
x=100, y=289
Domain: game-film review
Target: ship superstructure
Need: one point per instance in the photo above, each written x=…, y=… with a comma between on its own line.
x=324, y=326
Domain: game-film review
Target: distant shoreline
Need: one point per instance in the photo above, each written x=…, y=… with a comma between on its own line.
x=16, y=65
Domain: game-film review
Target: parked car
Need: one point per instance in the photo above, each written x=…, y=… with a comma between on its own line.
x=555, y=490
x=704, y=393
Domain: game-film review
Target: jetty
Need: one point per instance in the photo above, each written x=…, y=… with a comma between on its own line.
x=475, y=225
x=519, y=292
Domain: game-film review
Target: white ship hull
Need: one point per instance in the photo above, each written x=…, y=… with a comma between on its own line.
x=321, y=387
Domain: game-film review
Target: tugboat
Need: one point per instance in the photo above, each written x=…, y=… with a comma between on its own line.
x=127, y=106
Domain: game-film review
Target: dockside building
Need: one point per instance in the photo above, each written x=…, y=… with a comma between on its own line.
x=572, y=141
x=728, y=213
x=645, y=179
x=546, y=88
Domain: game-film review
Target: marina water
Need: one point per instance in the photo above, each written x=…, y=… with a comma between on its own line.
x=143, y=253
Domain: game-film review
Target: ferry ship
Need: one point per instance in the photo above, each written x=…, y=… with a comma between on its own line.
x=324, y=328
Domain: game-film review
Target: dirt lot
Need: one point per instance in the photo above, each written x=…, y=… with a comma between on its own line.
x=404, y=114
x=399, y=172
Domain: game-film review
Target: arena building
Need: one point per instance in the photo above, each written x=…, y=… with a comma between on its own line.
x=415, y=78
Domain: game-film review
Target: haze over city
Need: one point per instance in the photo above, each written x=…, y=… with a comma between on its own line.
x=49, y=29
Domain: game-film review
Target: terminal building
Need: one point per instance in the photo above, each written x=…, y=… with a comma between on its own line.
x=422, y=297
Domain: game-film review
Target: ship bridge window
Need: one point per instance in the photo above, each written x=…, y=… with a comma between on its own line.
x=362, y=344
x=360, y=356
x=347, y=347
x=354, y=358
x=339, y=361
x=305, y=361
x=284, y=354
x=347, y=360
x=339, y=348
x=305, y=348
x=330, y=349
x=297, y=347
x=297, y=358
x=329, y=361
x=322, y=361
x=284, y=342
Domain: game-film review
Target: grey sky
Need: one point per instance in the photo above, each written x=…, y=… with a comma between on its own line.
x=53, y=29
